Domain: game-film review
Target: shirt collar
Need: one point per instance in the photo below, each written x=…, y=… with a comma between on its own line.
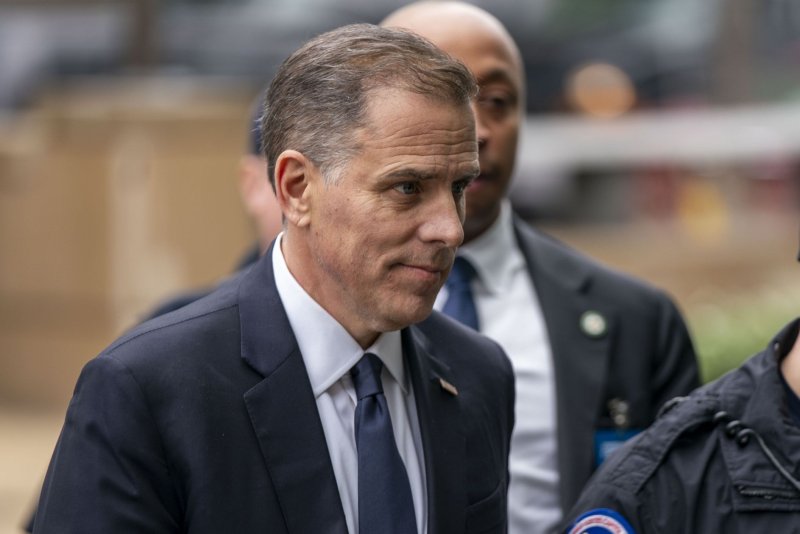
x=328, y=350
x=494, y=253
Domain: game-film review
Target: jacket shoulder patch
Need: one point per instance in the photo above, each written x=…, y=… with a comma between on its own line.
x=601, y=521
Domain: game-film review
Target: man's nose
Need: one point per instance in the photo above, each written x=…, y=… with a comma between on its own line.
x=444, y=222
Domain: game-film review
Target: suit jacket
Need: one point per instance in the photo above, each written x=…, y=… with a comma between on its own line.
x=643, y=357
x=203, y=420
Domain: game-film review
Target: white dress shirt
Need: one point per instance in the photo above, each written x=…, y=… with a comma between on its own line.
x=509, y=312
x=329, y=352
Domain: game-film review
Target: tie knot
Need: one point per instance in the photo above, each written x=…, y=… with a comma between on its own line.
x=366, y=376
x=461, y=274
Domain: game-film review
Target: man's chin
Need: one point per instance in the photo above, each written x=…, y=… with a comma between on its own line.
x=408, y=315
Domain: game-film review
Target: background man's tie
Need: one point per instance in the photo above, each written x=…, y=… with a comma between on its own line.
x=385, y=504
x=460, y=304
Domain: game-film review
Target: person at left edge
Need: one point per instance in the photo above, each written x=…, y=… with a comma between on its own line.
x=237, y=412
x=259, y=203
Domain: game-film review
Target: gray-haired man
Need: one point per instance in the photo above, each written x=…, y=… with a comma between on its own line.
x=301, y=396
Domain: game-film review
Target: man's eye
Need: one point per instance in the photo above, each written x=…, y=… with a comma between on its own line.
x=496, y=103
x=407, y=188
x=459, y=187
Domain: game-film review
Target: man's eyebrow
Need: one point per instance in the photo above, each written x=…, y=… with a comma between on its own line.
x=409, y=174
x=496, y=75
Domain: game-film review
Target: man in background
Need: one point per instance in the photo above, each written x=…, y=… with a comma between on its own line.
x=595, y=353
x=258, y=200
x=315, y=391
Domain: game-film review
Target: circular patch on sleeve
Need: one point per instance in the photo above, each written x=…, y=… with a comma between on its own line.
x=601, y=521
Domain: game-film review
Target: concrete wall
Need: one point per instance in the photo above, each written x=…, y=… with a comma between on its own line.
x=113, y=195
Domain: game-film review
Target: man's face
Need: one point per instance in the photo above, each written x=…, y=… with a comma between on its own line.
x=382, y=238
x=492, y=58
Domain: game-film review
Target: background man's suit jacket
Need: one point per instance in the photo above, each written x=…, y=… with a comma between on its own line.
x=203, y=421
x=644, y=358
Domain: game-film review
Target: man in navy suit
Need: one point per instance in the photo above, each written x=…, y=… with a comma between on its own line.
x=595, y=352
x=314, y=392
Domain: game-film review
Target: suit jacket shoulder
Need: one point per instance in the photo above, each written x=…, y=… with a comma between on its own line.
x=203, y=420
x=549, y=256
x=620, y=350
x=171, y=429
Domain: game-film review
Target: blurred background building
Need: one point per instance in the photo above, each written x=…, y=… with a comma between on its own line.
x=663, y=137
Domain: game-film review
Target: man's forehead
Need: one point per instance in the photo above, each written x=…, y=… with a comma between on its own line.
x=401, y=124
x=428, y=137
x=399, y=108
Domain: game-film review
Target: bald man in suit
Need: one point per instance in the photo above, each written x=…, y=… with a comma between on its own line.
x=595, y=352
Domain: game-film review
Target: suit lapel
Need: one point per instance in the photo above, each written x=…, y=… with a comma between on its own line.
x=580, y=360
x=283, y=410
x=443, y=441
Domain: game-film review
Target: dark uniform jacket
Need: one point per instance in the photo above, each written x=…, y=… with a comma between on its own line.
x=203, y=421
x=705, y=466
x=620, y=351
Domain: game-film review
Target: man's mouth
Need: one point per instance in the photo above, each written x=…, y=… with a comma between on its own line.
x=428, y=271
x=430, y=268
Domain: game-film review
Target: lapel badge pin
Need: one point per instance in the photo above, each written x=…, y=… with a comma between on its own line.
x=448, y=387
x=593, y=324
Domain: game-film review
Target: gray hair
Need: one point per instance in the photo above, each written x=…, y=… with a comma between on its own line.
x=318, y=97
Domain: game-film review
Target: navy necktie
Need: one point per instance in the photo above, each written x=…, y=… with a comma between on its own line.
x=460, y=305
x=385, y=504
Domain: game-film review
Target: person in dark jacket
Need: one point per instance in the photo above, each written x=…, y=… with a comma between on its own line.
x=724, y=459
x=259, y=203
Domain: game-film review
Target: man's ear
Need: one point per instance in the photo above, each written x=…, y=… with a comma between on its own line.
x=294, y=173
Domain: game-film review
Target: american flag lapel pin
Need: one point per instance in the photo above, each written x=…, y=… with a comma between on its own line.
x=448, y=387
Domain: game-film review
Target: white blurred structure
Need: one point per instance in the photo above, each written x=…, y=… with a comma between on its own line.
x=554, y=149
